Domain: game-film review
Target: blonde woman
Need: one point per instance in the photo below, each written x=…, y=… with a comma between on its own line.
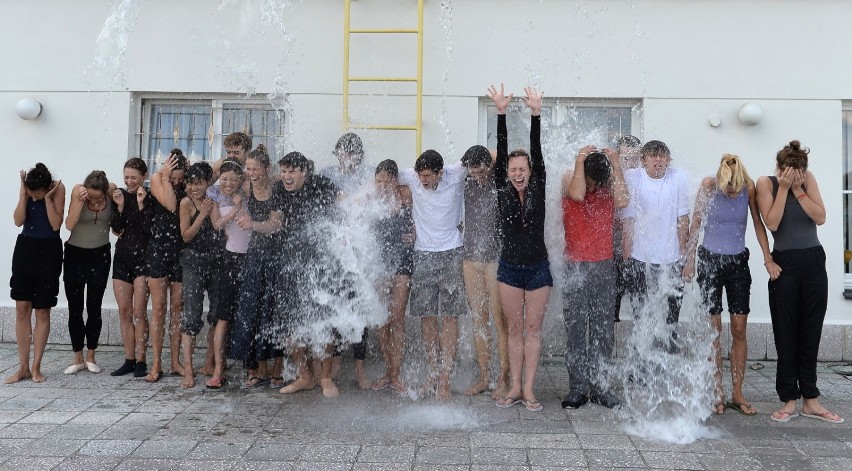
x=721, y=212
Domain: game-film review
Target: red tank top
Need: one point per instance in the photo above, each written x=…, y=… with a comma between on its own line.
x=588, y=227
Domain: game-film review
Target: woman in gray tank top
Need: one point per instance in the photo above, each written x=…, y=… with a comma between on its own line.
x=723, y=205
x=86, y=266
x=792, y=207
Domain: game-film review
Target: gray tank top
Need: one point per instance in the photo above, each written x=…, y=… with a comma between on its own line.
x=796, y=230
x=92, y=229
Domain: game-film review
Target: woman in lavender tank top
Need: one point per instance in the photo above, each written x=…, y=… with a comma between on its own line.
x=723, y=205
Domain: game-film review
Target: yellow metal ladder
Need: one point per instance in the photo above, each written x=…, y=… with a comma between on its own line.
x=347, y=79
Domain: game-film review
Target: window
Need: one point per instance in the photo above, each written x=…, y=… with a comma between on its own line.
x=565, y=123
x=198, y=126
x=847, y=201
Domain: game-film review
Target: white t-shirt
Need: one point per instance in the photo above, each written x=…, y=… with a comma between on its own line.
x=437, y=213
x=655, y=205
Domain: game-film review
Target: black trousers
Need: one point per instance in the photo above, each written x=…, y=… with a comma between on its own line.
x=85, y=279
x=798, y=300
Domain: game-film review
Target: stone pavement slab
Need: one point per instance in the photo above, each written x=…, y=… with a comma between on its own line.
x=97, y=422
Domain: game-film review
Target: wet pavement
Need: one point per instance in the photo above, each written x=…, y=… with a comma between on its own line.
x=97, y=422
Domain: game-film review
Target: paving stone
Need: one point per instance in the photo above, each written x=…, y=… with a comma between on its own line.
x=164, y=449
x=28, y=463
x=518, y=440
x=669, y=460
x=52, y=447
x=218, y=451
x=604, y=442
x=381, y=467
x=26, y=430
x=88, y=463
x=557, y=457
x=274, y=452
x=498, y=456
x=110, y=448
x=386, y=454
x=48, y=417
x=724, y=462
x=96, y=418
x=442, y=455
x=786, y=463
x=614, y=458
x=317, y=465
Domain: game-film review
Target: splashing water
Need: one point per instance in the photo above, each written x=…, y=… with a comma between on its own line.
x=446, y=20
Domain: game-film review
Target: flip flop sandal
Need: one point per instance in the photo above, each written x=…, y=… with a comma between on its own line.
x=253, y=382
x=533, y=406
x=216, y=382
x=508, y=402
x=826, y=417
x=381, y=384
x=784, y=417
x=276, y=382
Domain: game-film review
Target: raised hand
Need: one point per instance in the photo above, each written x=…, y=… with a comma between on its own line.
x=584, y=152
x=206, y=207
x=118, y=197
x=23, y=184
x=140, y=197
x=786, y=177
x=533, y=100
x=82, y=193
x=54, y=188
x=168, y=166
x=237, y=199
x=244, y=221
x=501, y=101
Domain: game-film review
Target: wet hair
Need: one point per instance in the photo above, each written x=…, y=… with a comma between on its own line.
x=260, y=155
x=388, y=166
x=197, y=172
x=520, y=153
x=238, y=139
x=597, y=167
x=296, y=160
x=794, y=156
x=208, y=170
x=429, y=160
x=655, y=148
x=628, y=140
x=97, y=180
x=476, y=156
x=731, y=173
x=182, y=163
x=231, y=165
x=137, y=164
x=349, y=143
x=38, y=178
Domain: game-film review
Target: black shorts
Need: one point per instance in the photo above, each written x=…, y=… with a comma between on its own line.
x=730, y=272
x=163, y=262
x=525, y=277
x=126, y=266
x=36, y=266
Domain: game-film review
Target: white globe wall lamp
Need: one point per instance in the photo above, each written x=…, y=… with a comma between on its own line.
x=750, y=114
x=28, y=108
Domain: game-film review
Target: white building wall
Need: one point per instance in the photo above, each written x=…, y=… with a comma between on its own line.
x=683, y=61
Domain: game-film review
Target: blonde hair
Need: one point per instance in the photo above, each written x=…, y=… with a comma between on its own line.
x=731, y=172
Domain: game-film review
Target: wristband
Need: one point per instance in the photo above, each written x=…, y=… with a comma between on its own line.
x=801, y=197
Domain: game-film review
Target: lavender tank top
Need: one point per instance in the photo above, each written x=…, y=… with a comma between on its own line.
x=725, y=226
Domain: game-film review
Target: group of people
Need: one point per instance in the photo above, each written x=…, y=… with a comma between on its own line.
x=457, y=238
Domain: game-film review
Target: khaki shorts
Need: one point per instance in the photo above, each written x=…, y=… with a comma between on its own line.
x=437, y=288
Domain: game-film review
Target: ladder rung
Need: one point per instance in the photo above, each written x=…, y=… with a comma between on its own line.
x=385, y=127
x=382, y=79
x=384, y=31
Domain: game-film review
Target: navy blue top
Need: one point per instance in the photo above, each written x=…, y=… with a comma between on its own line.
x=36, y=223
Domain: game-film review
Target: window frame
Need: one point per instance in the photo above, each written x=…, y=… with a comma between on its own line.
x=559, y=107
x=217, y=103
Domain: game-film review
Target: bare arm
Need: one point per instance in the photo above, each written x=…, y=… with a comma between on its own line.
x=75, y=208
x=702, y=200
x=762, y=239
x=270, y=226
x=161, y=186
x=620, y=194
x=20, y=214
x=810, y=201
x=683, y=233
x=219, y=221
x=772, y=209
x=574, y=183
x=188, y=228
x=55, y=199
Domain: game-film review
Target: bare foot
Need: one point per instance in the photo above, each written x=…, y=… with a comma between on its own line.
x=427, y=388
x=363, y=381
x=477, y=388
x=399, y=387
x=18, y=376
x=38, y=377
x=443, y=391
x=207, y=370
x=188, y=380
x=382, y=383
x=177, y=369
x=301, y=384
x=329, y=389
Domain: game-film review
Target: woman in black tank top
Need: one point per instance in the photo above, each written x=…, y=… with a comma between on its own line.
x=792, y=207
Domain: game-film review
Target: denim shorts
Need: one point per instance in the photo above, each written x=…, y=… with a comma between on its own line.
x=526, y=277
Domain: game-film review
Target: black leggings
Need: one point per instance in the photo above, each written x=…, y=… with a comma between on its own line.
x=85, y=267
x=798, y=300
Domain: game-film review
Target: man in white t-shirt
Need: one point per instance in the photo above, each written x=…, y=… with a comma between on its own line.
x=437, y=289
x=656, y=229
